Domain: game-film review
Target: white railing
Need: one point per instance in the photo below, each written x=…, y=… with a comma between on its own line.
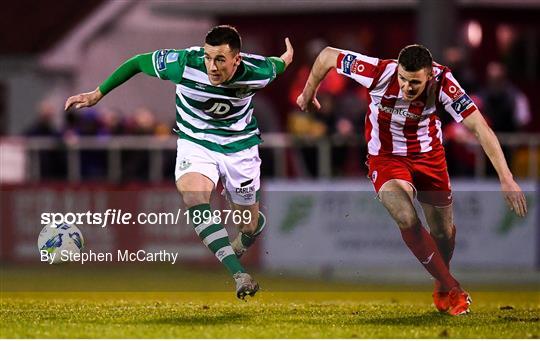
x=276, y=142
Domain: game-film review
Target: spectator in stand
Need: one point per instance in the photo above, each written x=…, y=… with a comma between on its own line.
x=343, y=113
x=110, y=123
x=143, y=122
x=52, y=163
x=44, y=125
x=136, y=162
x=505, y=107
x=333, y=83
x=455, y=58
x=94, y=161
x=507, y=111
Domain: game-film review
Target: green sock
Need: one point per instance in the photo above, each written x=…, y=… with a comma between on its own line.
x=248, y=240
x=215, y=237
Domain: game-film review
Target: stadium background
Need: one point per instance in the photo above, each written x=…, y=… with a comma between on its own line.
x=324, y=221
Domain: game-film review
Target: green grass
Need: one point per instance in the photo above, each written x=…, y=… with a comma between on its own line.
x=322, y=310
x=269, y=315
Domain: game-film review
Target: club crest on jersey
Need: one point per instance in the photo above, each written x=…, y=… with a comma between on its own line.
x=462, y=104
x=348, y=62
x=243, y=92
x=374, y=176
x=184, y=164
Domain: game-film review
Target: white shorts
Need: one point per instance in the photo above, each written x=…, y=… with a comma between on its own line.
x=239, y=172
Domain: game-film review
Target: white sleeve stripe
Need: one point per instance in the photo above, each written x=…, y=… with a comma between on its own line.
x=253, y=56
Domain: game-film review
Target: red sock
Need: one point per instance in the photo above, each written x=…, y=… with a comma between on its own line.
x=446, y=246
x=424, y=248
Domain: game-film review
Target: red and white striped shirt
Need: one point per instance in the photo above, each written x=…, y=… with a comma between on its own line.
x=394, y=125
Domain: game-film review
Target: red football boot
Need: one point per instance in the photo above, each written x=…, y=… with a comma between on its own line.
x=441, y=299
x=460, y=301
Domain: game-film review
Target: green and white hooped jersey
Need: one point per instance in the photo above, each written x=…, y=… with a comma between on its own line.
x=219, y=118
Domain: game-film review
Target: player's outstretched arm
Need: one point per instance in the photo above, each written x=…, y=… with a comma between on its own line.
x=513, y=195
x=325, y=61
x=139, y=63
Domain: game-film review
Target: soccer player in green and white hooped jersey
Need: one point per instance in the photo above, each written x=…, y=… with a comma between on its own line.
x=218, y=134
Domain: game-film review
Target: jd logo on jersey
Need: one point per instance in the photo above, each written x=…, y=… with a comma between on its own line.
x=217, y=108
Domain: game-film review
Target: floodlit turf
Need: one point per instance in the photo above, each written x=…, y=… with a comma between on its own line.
x=268, y=315
x=72, y=302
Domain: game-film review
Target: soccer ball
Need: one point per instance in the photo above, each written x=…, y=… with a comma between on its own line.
x=55, y=238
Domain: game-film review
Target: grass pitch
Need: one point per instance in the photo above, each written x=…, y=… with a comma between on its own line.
x=347, y=311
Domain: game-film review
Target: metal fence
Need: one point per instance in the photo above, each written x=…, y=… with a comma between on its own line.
x=275, y=143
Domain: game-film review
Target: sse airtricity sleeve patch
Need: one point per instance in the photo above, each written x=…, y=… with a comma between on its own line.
x=462, y=104
x=169, y=64
x=359, y=67
x=454, y=99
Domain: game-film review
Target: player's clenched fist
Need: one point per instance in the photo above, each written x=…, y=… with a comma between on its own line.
x=307, y=105
x=86, y=99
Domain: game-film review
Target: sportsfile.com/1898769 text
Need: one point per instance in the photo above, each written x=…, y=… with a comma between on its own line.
x=119, y=217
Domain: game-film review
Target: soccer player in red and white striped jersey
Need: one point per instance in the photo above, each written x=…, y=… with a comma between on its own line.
x=405, y=152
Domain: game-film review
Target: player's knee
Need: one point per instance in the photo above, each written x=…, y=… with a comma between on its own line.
x=407, y=220
x=194, y=198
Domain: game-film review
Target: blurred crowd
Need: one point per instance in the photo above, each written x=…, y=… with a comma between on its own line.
x=344, y=105
x=99, y=122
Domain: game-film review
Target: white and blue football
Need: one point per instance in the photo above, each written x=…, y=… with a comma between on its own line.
x=55, y=238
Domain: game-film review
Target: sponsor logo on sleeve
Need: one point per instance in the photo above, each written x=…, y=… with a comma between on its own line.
x=454, y=92
x=462, y=104
x=348, y=62
x=160, y=60
x=358, y=67
x=172, y=57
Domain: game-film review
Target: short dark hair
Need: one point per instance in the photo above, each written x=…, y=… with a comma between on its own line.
x=415, y=57
x=224, y=34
